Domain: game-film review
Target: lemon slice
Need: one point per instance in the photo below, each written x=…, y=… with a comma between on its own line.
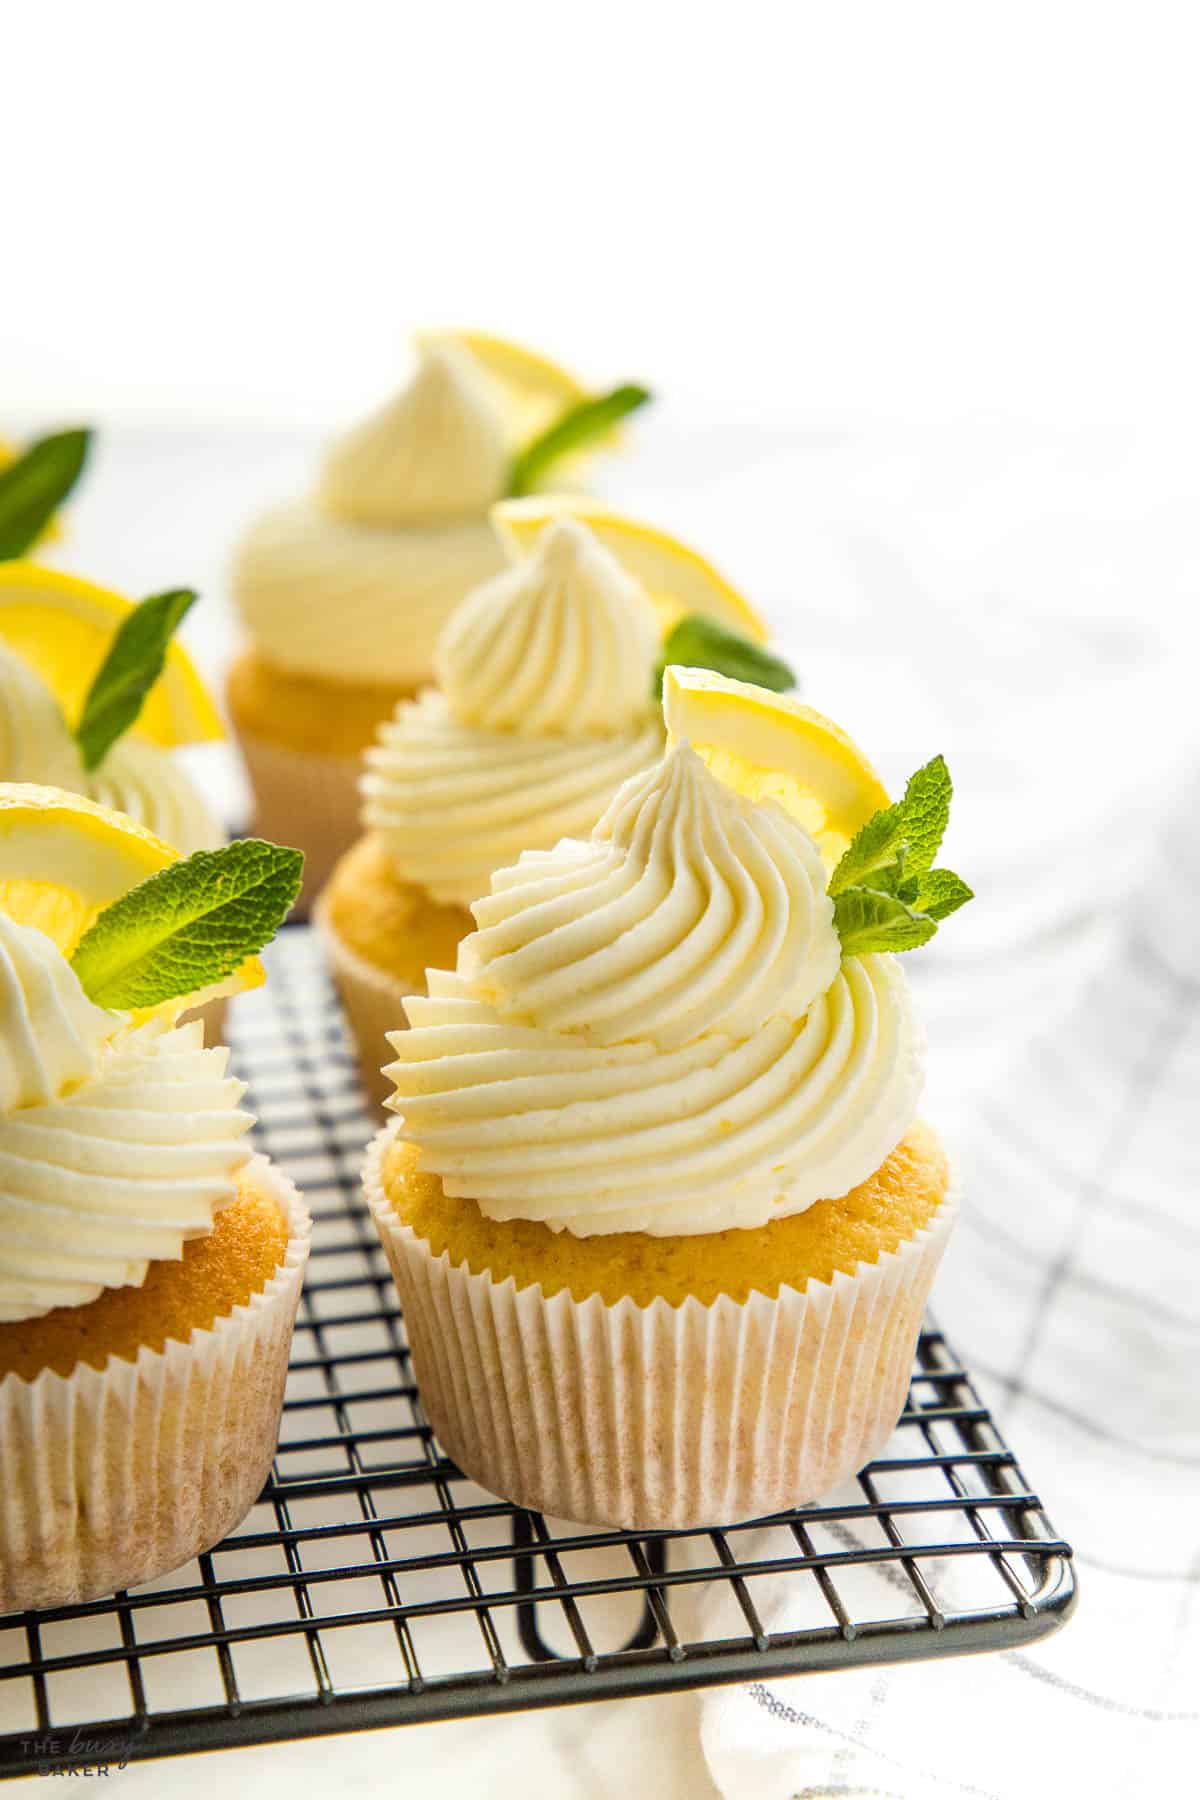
x=772, y=747
x=533, y=390
x=63, y=627
x=677, y=578
x=63, y=859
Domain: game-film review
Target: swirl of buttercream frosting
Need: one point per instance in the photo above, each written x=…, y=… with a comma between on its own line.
x=35, y=743
x=690, y=910
x=150, y=785
x=728, y=1069
x=356, y=603
x=452, y=802
x=438, y=450
x=50, y=1032
x=131, y=1153
x=559, y=645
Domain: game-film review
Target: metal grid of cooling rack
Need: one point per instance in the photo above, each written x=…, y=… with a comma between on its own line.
x=373, y=1584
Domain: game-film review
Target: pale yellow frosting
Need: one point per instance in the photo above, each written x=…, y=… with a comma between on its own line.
x=116, y=1145
x=35, y=744
x=655, y=1032
x=439, y=450
x=135, y=777
x=688, y=911
x=557, y=646
x=50, y=1032
x=547, y=707
x=354, y=582
x=149, y=784
x=356, y=603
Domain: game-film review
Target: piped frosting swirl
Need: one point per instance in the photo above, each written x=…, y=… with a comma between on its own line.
x=546, y=708
x=50, y=1032
x=35, y=744
x=439, y=450
x=117, y=1145
x=558, y=645
x=656, y=1032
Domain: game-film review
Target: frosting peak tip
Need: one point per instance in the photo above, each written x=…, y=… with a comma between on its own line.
x=562, y=644
x=438, y=449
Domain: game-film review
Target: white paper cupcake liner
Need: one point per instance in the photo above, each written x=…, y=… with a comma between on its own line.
x=373, y=1002
x=305, y=799
x=659, y=1416
x=114, y=1476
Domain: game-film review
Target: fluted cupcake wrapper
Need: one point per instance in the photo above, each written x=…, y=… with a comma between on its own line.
x=307, y=799
x=373, y=1002
x=113, y=1476
x=659, y=1416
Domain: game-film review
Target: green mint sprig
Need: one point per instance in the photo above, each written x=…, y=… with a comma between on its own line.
x=886, y=893
x=134, y=663
x=35, y=484
x=580, y=425
x=188, y=926
x=697, y=642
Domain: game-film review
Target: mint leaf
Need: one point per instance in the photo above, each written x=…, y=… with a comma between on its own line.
x=697, y=642
x=906, y=835
x=885, y=894
x=939, y=892
x=876, y=847
x=34, y=484
x=189, y=926
x=134, y=663
x=579, y=425
x=926, y=806
x=867, y=921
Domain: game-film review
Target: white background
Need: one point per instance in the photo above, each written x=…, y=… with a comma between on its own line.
x=914, y=211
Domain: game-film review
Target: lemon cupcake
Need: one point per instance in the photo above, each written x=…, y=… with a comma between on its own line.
x=343, y=592
x=150, y=1266
x=659, y=1209
x=546, y=705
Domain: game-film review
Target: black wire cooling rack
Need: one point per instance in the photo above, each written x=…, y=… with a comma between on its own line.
x=374, y=1585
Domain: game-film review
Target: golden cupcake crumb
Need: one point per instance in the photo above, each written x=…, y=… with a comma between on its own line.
x=389, y=922
x=302, y=712
x=876, y=1217
x=216, y=1273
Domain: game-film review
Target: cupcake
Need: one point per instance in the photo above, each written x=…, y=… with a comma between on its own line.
x=73, y=652
x=150, y=1265
x=343, y=591
x=658, y=1204
x=546, y=704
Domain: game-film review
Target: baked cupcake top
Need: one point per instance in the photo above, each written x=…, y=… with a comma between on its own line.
x=353, y=582
x=121, y=1134
x=546, y=706
x=51, y=627
x=682, y=1024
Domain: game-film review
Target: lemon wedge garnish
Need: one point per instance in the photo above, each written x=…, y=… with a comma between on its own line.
x=533, y=391
x=677, y=578
x=63, y=627
x=63, y=859
x=771, y=747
